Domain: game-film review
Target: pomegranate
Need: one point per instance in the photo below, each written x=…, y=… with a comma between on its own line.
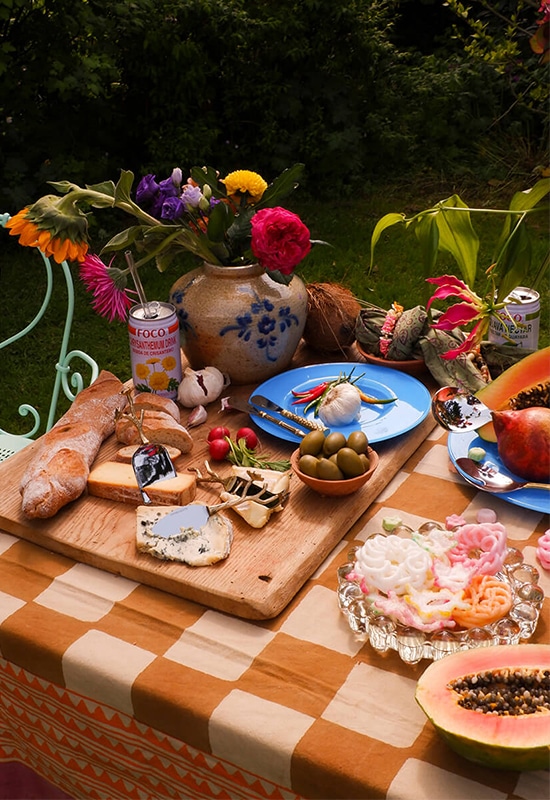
x=523, y=440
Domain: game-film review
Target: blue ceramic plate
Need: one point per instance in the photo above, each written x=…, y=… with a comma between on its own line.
x=379, y=422
x=458, y=445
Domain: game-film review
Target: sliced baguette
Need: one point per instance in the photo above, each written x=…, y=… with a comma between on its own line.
x=158, y=427
x=197, y=548
x=125, y=454
x=155, y=402
x=114, y=480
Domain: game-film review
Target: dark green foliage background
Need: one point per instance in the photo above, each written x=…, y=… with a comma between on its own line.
x=391, y=104
x=351, y=88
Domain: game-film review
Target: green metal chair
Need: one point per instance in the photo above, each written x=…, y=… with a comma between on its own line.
x=10, y=443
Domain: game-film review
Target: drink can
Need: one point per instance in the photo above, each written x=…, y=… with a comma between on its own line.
x=154, y=334
x=518, y=322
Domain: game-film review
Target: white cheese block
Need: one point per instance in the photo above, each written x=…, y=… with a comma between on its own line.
x=115, y=480
x=198, y=548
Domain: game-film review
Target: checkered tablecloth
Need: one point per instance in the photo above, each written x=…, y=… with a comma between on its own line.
x=111, y=689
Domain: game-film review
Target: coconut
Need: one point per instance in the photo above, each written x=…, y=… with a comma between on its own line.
x=331, y=314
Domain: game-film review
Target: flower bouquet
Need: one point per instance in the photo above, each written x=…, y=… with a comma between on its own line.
x=231, y=221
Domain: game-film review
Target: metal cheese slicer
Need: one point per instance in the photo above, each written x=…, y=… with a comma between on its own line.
x=196, y=515
x=150, y=462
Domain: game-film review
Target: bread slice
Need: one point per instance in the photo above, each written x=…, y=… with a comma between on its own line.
x=117, y=481
x=155, y=402
x=197, y=548
x=125, y=454
x=158, y=428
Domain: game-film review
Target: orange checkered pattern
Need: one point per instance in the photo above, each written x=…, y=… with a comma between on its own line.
x=111, y=689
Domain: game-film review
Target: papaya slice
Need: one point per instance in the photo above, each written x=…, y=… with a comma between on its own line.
x=523, y=377
x=492, y=704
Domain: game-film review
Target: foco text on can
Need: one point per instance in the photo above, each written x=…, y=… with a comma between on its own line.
x=154, y=334
x=518, y=322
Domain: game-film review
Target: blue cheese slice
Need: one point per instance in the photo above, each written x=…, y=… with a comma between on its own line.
x=196, y=547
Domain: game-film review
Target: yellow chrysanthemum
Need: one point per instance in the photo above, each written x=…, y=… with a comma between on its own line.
x=169, y=363
x=34, y=231
x=142, y=371
x=243, y=181
x=158, y=381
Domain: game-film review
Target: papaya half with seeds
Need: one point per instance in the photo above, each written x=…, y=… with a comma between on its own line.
x=525, y=384
x=492, y=704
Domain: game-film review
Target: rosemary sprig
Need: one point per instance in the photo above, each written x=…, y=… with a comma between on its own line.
x=242, y=456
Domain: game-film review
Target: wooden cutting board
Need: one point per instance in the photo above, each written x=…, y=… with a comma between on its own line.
x=266, y=567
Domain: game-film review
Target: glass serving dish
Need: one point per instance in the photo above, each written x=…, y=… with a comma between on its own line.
x=384, y=633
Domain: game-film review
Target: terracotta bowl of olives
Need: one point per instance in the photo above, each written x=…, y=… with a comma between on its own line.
x=332, y=464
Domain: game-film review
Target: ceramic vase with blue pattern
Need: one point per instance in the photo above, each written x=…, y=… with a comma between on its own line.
x=239, y=320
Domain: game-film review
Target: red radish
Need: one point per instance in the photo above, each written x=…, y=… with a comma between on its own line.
x=219, y=449
x=251, y=440
x=218, y=433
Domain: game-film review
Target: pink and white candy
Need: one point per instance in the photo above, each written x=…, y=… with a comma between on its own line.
x=543, y=549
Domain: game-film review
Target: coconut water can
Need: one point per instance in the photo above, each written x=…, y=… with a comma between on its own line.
x=518, y=322
x=154, y=333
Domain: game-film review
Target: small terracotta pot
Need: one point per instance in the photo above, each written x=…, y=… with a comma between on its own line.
x=415, y=366
x=335, y=488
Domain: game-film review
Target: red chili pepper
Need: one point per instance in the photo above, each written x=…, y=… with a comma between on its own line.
x=311, y=394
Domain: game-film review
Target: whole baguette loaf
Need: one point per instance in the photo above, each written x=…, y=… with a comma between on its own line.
x=158, y=428
x=61, y=459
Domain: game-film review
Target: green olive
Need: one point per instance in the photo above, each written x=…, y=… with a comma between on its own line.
x=350, y=462
x=312, y=443
x=328, y=471
x=358, y=441
x=308, y=465
x=333, y=442
x=366, y=461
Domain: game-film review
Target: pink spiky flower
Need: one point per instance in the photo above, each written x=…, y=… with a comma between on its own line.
x=108, y=286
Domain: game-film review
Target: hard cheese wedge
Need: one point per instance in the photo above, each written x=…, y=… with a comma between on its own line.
x=116, y=481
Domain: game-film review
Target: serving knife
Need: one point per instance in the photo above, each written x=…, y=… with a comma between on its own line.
x=248, y=408
x=269, y=405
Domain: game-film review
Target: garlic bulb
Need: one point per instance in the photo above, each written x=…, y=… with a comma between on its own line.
x=200, y=387
x=341, y=405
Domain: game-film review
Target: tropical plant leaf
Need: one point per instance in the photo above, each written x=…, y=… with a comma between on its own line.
x=427, y=233
x=523, y=201
x=514, y=262
x=386, y=222
x=458, y=237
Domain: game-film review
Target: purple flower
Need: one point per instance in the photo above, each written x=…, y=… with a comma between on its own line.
x=147, y=190
x=152, y=195
x=172, y=208
x=191, y=196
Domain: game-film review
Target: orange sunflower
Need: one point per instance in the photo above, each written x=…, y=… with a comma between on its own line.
x=47, y=226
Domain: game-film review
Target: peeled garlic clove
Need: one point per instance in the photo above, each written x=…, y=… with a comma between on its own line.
x=197, y=416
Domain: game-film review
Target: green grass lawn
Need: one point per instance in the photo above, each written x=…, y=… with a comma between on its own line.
x=27, y=369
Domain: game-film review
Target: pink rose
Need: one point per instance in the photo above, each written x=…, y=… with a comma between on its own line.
x=280, y=240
